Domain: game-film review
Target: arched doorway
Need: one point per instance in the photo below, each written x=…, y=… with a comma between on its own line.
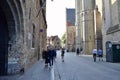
x=11, y=27
x=3, y=43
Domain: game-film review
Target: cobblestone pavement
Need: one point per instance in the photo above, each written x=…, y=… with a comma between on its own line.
x=9, y=77
x=84, y=68
x=74, y=68
x=37, y=72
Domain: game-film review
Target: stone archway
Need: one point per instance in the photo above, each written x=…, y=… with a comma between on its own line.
x=17, y=12
x=11, y=24
x=7, y=24
x=3, y=42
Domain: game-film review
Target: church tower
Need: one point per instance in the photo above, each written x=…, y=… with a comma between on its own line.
x=85, y=33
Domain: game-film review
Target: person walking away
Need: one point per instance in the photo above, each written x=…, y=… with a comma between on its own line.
x=81, y=49
x=43, y=54
x=100, y=54
x=78, y=51
x=62, y=54
x=46, y=58
x=94, y=54
x=51, y=57
x=55, y=54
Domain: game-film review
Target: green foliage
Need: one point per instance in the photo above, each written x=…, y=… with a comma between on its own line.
x=63, y=39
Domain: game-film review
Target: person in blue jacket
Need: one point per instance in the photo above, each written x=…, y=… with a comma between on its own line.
x=100, y=54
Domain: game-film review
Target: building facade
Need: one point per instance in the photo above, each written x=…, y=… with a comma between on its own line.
x=70, y=29
x=102, y=16
x=23, y=25
x=111, y=22
x=54, y=41
x=85, y=33
x=70, y=38
x=98, y=24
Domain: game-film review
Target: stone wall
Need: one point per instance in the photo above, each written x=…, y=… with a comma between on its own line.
x=111, y=21
x=27, y=45
x=71, y=33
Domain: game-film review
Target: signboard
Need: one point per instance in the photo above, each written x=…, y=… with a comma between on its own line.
x=41, y=30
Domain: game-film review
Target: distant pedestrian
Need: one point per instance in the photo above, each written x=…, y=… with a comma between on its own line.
x=81, y=49
x=94, y=54
x=100, y=54
x=62, y=54
x=78, y=51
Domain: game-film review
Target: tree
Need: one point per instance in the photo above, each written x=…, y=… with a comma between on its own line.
x=63, y=39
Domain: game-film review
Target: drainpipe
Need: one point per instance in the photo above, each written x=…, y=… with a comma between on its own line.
x=95, y=30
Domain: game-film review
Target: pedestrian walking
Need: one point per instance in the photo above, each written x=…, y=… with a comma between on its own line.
x=43, y=54
x=94, y=54
x=81, y=49
x=78, y=51
x=100, y=54
x=55, y=54
x=62, y=54
x=46, y=58
x=51, y=56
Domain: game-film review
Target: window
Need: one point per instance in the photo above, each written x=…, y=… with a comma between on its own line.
x=30, y=13
x=42, y=3
x=33, y=36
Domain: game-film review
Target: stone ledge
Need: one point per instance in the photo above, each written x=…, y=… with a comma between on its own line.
x=113, y=29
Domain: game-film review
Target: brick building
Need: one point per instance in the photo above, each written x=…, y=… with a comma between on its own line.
x=110, y=21
x=97, y=21
x=54, y=41
x=70, y=29
x=23, y=25
x=89, y=25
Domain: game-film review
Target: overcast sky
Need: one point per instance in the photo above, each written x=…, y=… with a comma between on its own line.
x=56, y=16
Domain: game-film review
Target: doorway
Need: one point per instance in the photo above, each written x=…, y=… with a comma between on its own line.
x=3, y=43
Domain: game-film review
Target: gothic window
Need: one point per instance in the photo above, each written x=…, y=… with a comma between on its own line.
x=29, y=13
x=42, y=3
x=33, y=36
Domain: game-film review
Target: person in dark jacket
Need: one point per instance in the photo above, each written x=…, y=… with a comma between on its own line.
x=43, y=54
x=55, y=54
x=46, y=57
x=78, y=51
x=51, y=56
x=62, y=54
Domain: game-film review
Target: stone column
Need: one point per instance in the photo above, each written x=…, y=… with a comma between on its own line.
x=78, y=32
x=87, y=23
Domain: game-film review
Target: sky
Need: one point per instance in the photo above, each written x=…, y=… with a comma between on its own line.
x=56, y=16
